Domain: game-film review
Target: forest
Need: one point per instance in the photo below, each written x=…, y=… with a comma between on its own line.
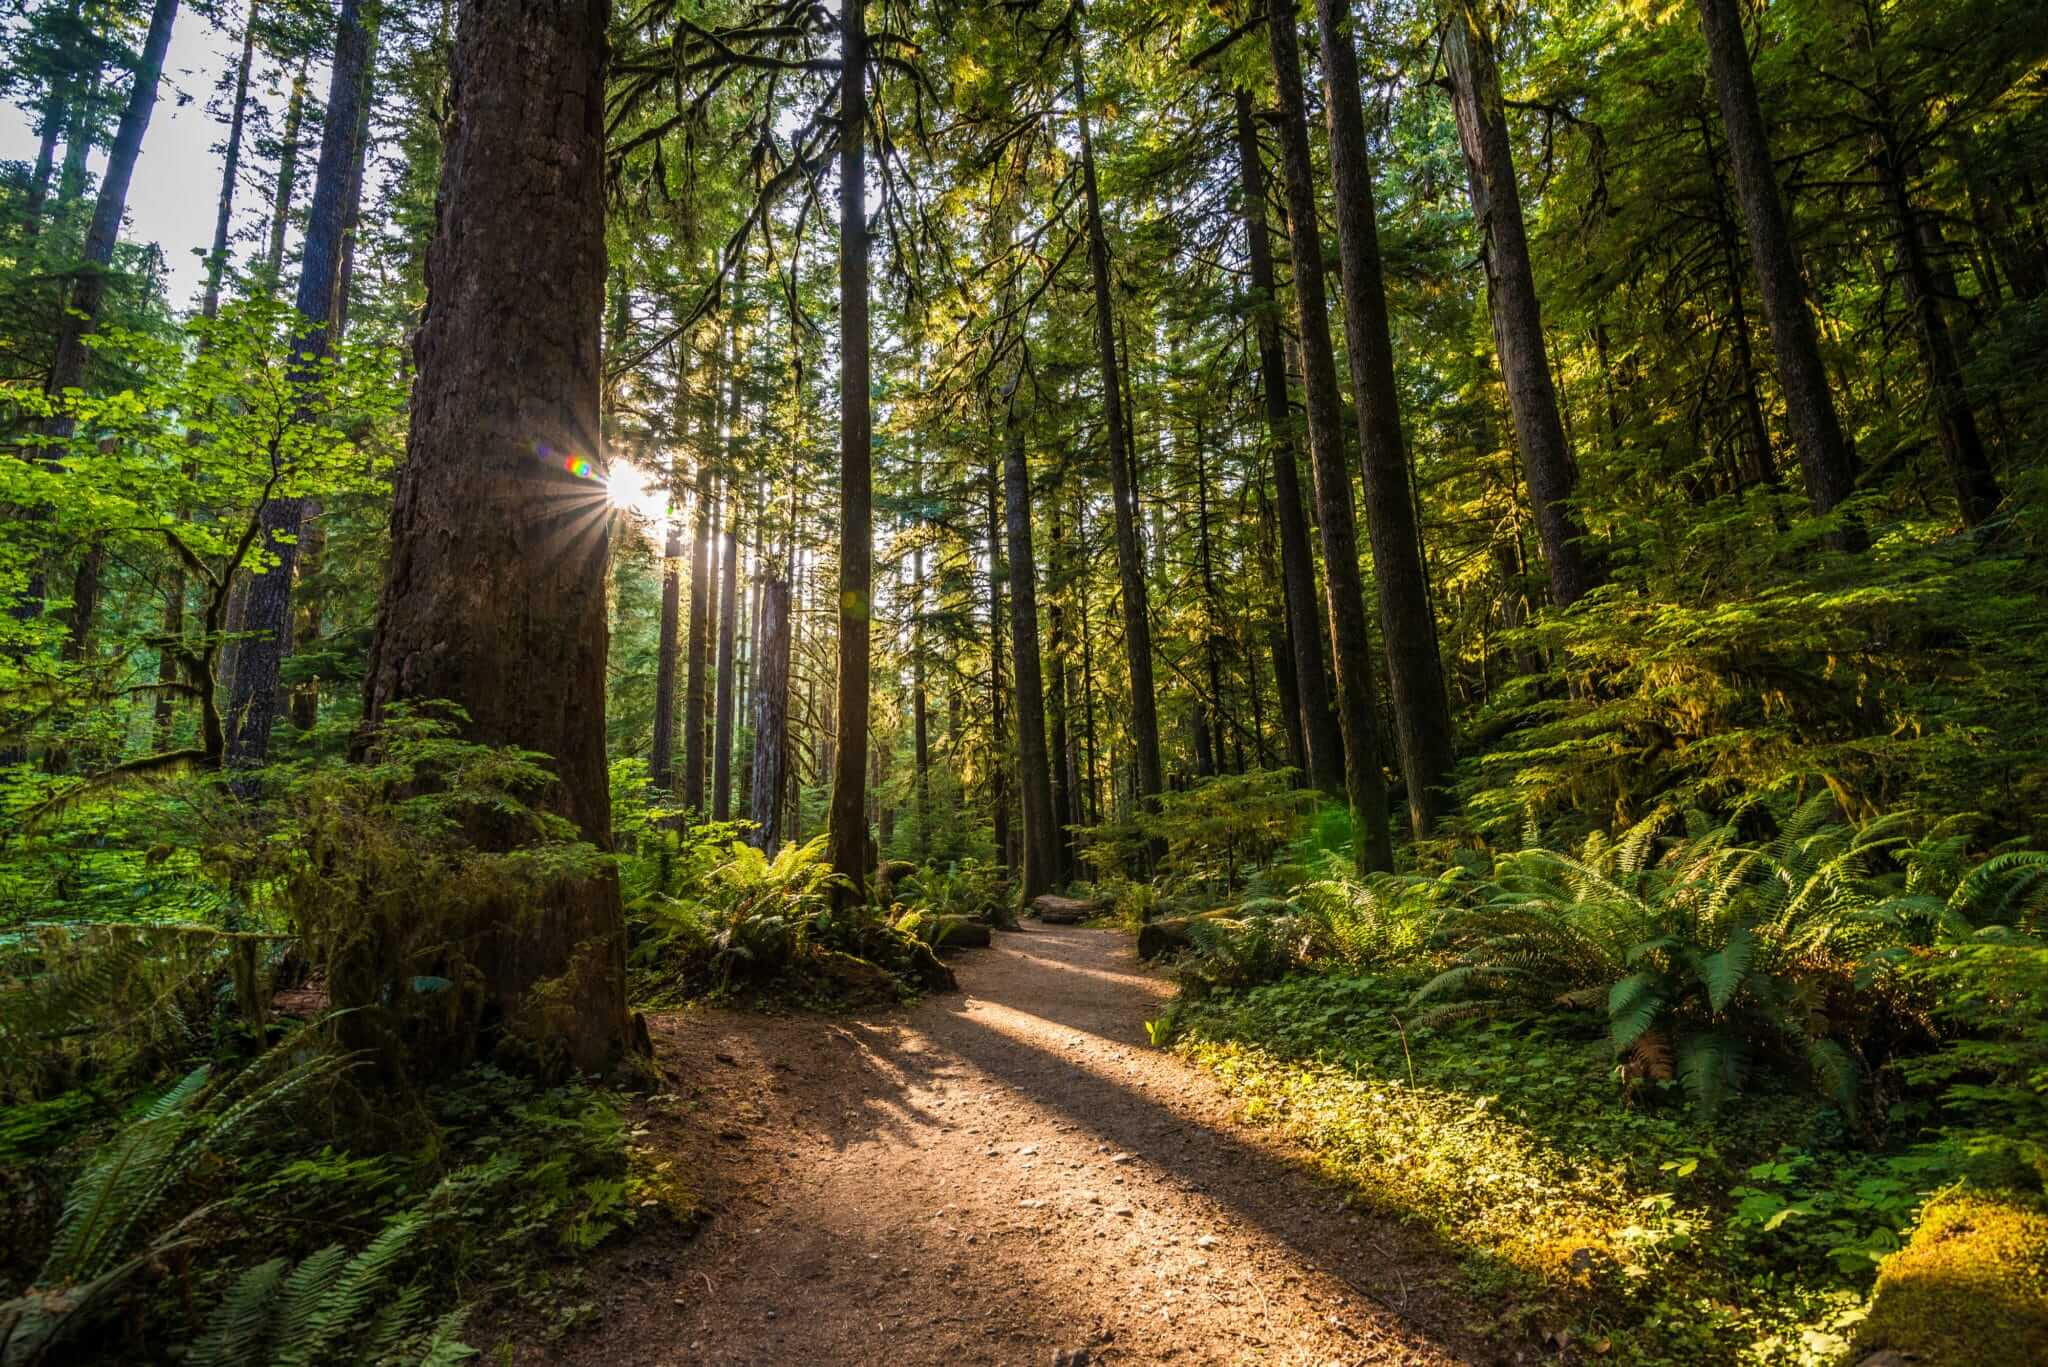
x=947, y=681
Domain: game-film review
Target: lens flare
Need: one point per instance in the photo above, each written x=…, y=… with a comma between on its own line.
x=632, y=490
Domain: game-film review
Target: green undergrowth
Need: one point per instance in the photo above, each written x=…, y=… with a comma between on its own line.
x=226, y=1219
x=712, y=918
x=1637, y=1232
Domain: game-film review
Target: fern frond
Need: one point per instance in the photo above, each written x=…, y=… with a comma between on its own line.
x=235, y=1332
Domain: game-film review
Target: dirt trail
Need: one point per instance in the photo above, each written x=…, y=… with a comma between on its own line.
x=1001, y=1176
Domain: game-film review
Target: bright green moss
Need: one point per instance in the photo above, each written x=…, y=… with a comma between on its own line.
x=1969, y=1290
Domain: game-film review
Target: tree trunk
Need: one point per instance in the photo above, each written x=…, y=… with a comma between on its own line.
x=848, y=841
x=1422, y=711
x=1130, y=554
x=1919, y=242
x=1511, y=298
x=50, y=125
x=1209, y=720
x=1825, y=459
x=661, y=759
x=1058, y=735
x=508, y=368
x=728, y=627
x=253, y=703
x=1350, y=643
x=696, y=697
x=88, y=290
x=1759, y=466
x=1034, y=774
x=998, y=729
x=771, y=714
x=920, y=702
x=287, y=178
x=351, y=225
x=1314, y=738
x=231, y=169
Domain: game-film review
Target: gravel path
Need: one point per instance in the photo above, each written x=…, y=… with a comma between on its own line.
x=1004, y=1175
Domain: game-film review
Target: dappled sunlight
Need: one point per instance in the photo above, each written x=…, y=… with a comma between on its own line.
x=1142, y=981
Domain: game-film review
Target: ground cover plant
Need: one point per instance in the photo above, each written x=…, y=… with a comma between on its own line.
x=1675, y=1092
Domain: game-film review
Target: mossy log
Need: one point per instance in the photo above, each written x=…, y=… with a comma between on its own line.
x=1971, y=1286
x=888, y=874
x=1063, y=911
x=1167, y=936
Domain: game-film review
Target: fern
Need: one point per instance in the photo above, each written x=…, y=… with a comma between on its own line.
x=319, y=1312
x=114, y=1219
x=235, y=1330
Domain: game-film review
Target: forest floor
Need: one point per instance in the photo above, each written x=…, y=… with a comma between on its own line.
x=1005, y=1174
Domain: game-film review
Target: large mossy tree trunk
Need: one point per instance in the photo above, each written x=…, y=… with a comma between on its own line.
x=1825, y=459
x=846, y=820
x=1344, y=587
x=1422, y=710
x=1511, y=299
x=499, y=554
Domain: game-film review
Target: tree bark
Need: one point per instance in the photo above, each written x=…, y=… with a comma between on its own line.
x=661, y=759
x=1422, y=711
x=253, y=702
x=1511, y=299
x=1919, y=240
x=231, y=169
x=287, y=178
x=1130, y=554
x=1825, y=459
x=847, y=843
x=728, y=627
x=89, y=288
x=696, y=697
x=499, y=555
x=1351, y=645
x=1034, y=774
x=998, y=728
x=771, y=714
x=1313, y=734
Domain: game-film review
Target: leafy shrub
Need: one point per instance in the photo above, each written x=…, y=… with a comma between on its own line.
x=391, y=873
x=1992, y=1067
x=333, y=1307
x=120, y=1001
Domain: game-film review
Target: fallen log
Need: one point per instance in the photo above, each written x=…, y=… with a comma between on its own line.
x=1063, y=911
x=959, y=932
x=1157, y=938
